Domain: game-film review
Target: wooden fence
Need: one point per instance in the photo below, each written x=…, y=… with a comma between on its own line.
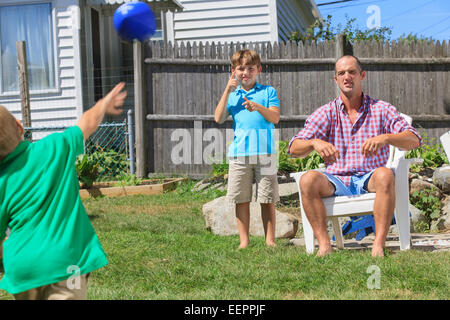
x=178, y=87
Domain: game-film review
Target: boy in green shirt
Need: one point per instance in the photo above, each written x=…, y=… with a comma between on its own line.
x=52, y=246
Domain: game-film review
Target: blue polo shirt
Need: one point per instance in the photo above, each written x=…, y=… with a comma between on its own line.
x=253, y=134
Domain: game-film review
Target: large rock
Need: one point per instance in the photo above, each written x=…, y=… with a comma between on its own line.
x=420, y=185
x=441, y=178
x=220, y=218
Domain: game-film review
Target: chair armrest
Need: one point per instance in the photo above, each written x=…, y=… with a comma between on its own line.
x=403, y=164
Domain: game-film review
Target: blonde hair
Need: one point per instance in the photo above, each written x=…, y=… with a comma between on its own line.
x=10, y=135
x=250, y=57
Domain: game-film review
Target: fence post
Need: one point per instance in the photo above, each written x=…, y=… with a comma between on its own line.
x=139, y=110
x=24, y=89
x=131, y=140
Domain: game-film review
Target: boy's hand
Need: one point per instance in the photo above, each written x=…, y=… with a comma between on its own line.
x=232, y=82
x=112, y=103
x=250, y=105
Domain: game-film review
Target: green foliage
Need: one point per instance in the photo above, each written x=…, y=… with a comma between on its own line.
x=111, y=164
x=288, y=164
x=322, y=30
x=219, y=169
x=433, y=155
x=414, y=38
x=101, y=166
x=127, y=179
x=87, y=170
x=429, y=204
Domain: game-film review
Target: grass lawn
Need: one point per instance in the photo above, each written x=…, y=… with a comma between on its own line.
x=158, y=248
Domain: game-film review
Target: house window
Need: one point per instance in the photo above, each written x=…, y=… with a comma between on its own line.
x=158, y=32
x=31, y=23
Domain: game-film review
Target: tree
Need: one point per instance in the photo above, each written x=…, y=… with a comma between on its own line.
x=322, y=30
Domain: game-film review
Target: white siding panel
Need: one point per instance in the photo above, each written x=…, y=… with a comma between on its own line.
x=225, y=12
x=64, y=32
x=228, y=20
x=202, y=5
x=221, y=32
x=66, y=62
x=68, y=83
x=290, y=18
x=66, y=52
x=66, y=72
x=223, y=22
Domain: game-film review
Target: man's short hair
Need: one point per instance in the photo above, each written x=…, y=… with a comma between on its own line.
x=10, y=135
x=250, y=57
x=358, y=63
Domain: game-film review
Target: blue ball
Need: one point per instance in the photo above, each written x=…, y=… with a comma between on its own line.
x=134, y=20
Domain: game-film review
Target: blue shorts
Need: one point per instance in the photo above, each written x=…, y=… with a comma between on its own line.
x=358, y=184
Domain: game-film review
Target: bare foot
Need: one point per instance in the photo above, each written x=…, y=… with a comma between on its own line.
x=243, y=245
x=271, y=244
x=377, y=251
x=324, y=251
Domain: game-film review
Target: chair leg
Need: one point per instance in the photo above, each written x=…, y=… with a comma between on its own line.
x=337, y=232
x=402, y=219
x=308, y=233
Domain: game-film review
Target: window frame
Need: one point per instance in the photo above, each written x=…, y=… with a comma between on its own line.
x=57, y=88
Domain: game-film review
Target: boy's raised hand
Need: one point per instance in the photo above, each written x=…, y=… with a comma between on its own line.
x=111, y=104
x=113, y=101
x=232, y=82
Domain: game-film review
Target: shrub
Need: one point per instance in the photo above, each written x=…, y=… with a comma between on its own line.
x=429, y=204
x=87, y=170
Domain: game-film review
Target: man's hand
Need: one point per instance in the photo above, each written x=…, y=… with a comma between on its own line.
x=371, y=146
x=327, y=151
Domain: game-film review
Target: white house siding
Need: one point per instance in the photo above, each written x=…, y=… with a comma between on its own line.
x=61, y=106
x=292, y=17
x=222, y=21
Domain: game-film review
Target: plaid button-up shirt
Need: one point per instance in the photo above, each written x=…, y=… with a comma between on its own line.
x=331, y=123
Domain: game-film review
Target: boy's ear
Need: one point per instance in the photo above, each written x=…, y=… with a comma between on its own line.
x=21, y=129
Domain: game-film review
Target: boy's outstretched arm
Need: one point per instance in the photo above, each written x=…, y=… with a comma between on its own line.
x=111, y=104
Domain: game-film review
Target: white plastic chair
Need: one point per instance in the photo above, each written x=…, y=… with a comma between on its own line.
x=358, y=205
x=445, y=140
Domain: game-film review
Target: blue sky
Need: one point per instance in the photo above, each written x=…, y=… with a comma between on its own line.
x=421, y=17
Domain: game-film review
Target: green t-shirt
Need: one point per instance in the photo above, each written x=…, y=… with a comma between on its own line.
x=51, y=236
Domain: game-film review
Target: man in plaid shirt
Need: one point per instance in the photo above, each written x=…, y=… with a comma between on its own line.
x=352, y=134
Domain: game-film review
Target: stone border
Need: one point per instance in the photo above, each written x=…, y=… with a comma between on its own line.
x=148, y=189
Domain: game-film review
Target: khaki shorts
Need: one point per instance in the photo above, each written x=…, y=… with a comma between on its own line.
x=240, y=179
x=58, y=291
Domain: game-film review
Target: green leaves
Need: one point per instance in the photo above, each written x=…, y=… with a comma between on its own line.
x=288, y=164
x=433, y=155
x=87, y=170
x=429, y=204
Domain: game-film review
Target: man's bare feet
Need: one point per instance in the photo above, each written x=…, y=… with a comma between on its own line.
x=271, y=244
x=324, y=251
x=377, y=251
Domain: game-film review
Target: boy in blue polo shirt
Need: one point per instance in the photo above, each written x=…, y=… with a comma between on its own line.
x=52, y=246
x=255, y=109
